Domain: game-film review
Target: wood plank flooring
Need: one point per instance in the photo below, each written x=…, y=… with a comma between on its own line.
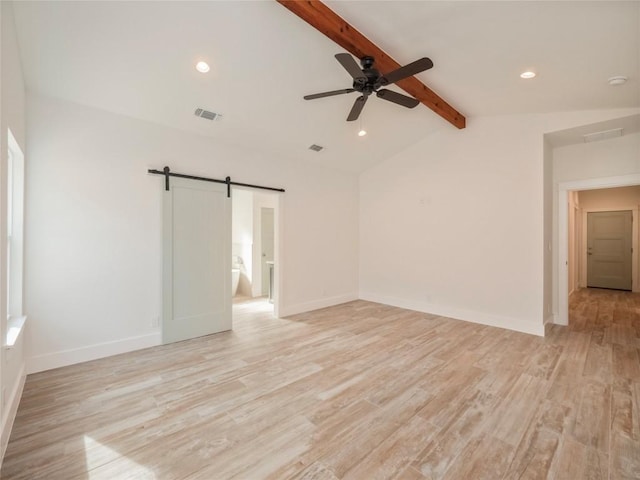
x=357, y=391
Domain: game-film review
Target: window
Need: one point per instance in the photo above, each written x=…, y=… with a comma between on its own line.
x=15, y=203
x=9, y=225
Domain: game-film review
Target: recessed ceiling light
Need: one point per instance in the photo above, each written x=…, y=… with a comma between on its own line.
x=618, y=80
x=362, y=133
x=202, y=67
x=527, y=75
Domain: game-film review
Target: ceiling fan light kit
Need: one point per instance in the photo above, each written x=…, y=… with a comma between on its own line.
x=368, y=80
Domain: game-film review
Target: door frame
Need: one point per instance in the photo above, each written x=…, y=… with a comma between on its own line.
x=577, y=246
x=582, y=282
x=278, y=254
x=278, y=247
x=265, y=271
x=562, y=233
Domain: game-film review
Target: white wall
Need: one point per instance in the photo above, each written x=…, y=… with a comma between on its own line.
x=606, y=158
x=454, y=224
x=12, y=115
x=93, y=248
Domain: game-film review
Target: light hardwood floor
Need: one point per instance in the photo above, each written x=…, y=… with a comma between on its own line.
x=357, y=391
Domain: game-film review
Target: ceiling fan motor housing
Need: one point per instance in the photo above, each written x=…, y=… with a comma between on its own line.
x=371, y=84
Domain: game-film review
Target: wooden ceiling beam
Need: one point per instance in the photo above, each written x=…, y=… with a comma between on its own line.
x=325, y=20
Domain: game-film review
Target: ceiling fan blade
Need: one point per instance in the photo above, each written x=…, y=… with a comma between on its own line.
x=408, y=70
x=351, y=66
x=328, y=94
x=358, y=105
x=395, y=97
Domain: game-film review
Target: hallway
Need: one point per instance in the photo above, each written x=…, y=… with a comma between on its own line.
x=607, y=325
x=613, y=316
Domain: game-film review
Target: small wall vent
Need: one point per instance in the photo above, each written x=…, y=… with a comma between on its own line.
x=316, y=148
x=604, y=135
x=201, y=112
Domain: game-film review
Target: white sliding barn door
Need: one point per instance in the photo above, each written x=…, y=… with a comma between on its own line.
x=197, y=260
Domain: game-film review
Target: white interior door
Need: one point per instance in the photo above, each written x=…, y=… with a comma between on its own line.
x=609, y=249
x=267, y=244
x=197, y=260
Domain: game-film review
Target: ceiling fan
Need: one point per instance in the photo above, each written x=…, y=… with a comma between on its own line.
x=368, y=80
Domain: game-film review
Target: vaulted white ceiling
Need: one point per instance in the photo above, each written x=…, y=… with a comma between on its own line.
x=137, y=59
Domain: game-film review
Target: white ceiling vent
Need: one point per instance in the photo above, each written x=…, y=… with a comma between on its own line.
x=201, y=112
x=604, y=135
x=316, y=148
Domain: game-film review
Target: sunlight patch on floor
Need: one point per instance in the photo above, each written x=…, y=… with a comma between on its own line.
x=98, y=457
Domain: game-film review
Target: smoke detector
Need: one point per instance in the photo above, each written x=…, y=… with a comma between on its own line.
x=201, y=112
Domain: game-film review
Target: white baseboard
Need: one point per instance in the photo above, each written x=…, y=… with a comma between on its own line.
x=458, y=314
x=555, y=319
x=287, y=310
x=12, y=409
x=63, y=358
x=548, y=321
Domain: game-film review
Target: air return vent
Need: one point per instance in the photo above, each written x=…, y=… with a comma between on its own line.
x=316, y=148
x=201, y=112
x=604, y=135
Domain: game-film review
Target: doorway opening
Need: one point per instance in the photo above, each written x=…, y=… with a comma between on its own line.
x=255, y=252
x=199, y=251
x=602, y=245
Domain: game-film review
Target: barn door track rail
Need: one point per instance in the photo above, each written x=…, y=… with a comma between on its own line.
x=166, y=171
